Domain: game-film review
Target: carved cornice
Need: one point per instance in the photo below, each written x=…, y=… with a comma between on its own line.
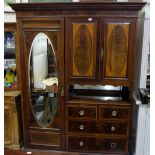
x=80, y=6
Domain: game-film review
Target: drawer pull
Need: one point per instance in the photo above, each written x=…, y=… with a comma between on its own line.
x=81, y=112
x=113, y=128
x=81, y=143
x=90, y=19
x=81, y=127
x=114, y=113
x=113, y=145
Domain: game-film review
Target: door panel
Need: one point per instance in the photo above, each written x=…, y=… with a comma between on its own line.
x=42, y=103
x=41, y=89
x=82, y=48
x=117, y=49
x=118, y=40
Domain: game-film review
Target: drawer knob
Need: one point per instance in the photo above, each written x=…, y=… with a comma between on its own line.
x=90, y=19
x=113, y=145
x=113, y=128
x=81, y=127
x=81, y=143
x=114, y=113
x=81, y=112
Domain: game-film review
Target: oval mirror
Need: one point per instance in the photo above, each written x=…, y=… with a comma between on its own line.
x=43, y=80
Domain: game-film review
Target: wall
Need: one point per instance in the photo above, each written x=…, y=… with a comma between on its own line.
x=143, y=41
x=10, y=17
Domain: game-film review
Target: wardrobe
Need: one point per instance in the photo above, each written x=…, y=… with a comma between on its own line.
x=77, y=72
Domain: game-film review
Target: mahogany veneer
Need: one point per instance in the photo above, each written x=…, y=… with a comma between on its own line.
x=95, y=44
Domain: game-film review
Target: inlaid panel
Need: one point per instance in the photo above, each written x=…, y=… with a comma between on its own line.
x=45, y=138
x=83, y=42
x=117, y=49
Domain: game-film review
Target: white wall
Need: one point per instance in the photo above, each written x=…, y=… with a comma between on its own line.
x=11, y=17
x=143, y=41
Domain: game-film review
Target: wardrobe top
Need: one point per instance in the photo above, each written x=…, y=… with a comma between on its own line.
x=132, y=5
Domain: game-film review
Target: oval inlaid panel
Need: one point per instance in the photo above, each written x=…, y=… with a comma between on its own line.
x=82, y=51
x=117, y=53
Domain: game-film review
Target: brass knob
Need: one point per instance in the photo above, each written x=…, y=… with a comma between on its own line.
x=81, y=127
x=114, y=113
x=113, y=145
x=113, y=128
x=81, y=143
x=81, y=112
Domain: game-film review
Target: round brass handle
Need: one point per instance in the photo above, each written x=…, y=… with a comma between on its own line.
x=113, y=128
x=81, y=143
x=81, y=112
x=114, y=113
x=113, y=145
x=81, y=127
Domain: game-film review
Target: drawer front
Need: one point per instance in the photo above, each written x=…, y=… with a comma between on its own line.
x=96, y=144
x=92, y=127
x=82, y=112
x=114, y=113
x=9, y=99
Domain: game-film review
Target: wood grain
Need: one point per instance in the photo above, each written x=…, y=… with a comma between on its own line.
x=93, y=144
x=83, y=49
x=83, y=29
x=117, y=49
x=13, y=135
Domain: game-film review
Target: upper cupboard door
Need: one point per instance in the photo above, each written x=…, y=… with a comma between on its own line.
x=81, y=48
x=118, y=51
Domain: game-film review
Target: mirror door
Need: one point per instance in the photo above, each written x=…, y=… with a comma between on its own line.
x=43, y=80
x=44, y=69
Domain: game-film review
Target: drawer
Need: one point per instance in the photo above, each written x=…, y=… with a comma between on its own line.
x=97, y=144
x=9, y=99
x=98, y=127
x=114, y=113
x=82, y=112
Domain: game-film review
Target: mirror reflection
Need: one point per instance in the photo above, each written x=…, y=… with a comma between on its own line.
x=43, y=80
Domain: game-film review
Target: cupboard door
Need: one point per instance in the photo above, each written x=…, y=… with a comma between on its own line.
x=118, y=50
x=81, y=48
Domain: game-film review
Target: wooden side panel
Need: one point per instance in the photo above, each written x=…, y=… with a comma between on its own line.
x=13, y=135
x=83, y=51
x=117, y=44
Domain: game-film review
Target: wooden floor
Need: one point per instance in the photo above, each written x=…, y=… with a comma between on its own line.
x=41, y=152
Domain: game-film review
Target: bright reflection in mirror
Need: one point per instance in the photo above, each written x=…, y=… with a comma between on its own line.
x=43, y=80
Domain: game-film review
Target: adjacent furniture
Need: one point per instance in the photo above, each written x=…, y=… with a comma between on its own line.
x=83, y=104
x=13, y=133
x=11, y=58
